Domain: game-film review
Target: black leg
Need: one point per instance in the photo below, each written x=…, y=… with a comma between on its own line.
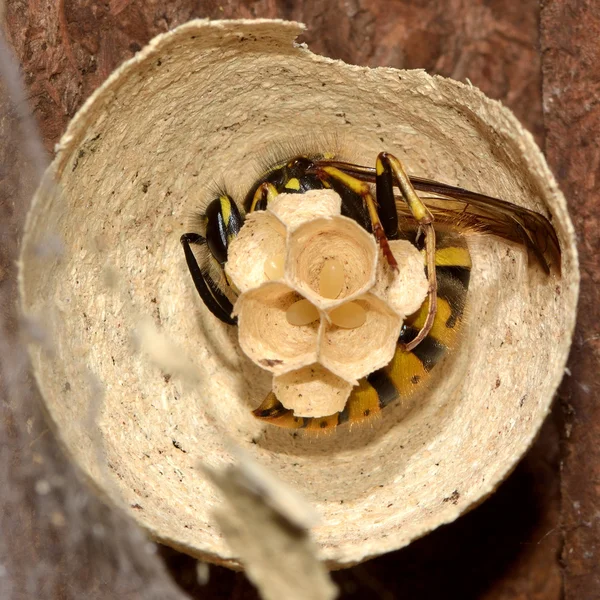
x=218, y=304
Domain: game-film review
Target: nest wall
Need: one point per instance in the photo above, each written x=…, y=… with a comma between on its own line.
x=209, y=104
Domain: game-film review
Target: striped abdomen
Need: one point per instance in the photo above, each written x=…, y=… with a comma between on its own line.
x=407, y=372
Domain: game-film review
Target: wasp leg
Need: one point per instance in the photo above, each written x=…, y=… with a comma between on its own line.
x=389, y=170
x=272, y=411
x=361, y=188
x=218, y=304
x=498, y=217
x=263, y=195
x=223, y=222
x=384, y=189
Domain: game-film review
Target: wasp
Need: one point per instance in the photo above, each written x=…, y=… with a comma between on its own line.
x=434, y=216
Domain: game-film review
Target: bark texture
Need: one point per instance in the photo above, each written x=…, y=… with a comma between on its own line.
x=569, y=36
x=518, y=544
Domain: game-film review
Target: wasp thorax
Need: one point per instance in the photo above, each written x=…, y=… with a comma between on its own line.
x=322, y=310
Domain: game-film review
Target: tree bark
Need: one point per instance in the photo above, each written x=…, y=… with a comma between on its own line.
x=571, y=55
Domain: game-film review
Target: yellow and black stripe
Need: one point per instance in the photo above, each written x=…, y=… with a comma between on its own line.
x=407, y=372
x=452, y=209
x=223, y=222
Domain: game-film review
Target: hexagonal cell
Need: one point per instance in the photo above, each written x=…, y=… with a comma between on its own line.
x=312, y=244
x=406, y=289
x=260, y=240
x=293, y=210
x=354, y=353
x=265, y=334
x=312, y=391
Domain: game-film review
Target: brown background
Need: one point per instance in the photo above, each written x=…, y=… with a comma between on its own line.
x=538, y=537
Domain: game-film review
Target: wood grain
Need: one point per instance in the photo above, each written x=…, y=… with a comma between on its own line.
x=570, y=31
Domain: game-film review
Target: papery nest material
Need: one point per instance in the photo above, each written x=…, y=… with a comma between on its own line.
x=137, y=160
x=315, y=365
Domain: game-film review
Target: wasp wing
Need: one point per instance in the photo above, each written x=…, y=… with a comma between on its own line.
x=494, y=216
x=464, y=210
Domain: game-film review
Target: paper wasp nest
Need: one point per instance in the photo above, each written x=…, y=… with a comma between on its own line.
x=338, y=335
x=142, y=383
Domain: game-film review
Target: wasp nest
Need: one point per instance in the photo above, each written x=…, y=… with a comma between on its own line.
x=142, y=383
x=319, y=309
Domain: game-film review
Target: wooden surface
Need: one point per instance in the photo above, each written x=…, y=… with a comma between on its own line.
x=537, y=537
x=571, y=79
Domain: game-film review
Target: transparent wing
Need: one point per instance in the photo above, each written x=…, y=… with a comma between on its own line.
x=494, y=216
x=466, y=210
